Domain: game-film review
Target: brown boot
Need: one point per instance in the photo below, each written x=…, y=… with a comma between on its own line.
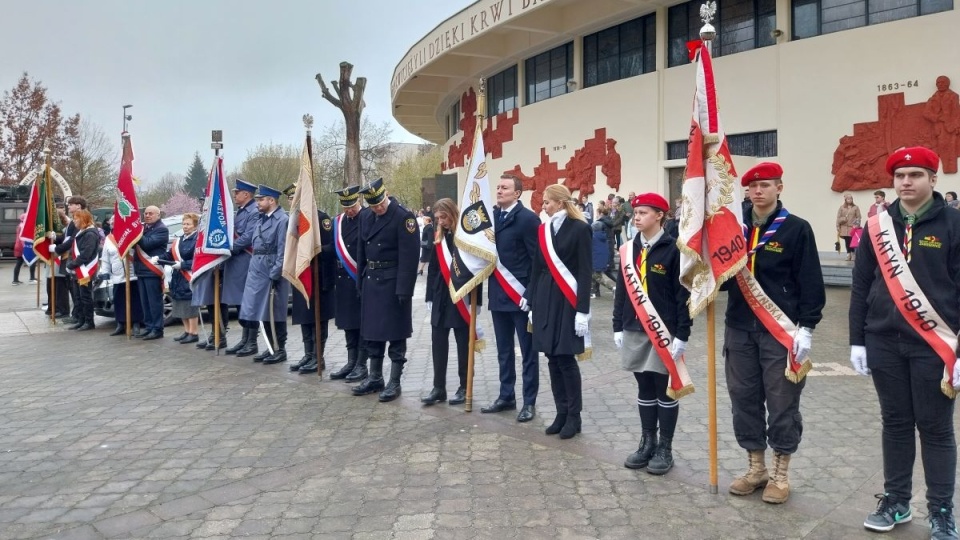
x=756, y=476
x=778, y=488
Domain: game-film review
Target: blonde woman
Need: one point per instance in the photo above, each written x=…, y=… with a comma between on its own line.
x=848, y=217
x=559, y=298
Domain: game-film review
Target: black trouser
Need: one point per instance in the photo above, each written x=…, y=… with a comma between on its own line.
x=75, y=297
x=846, y=241
x=440, y=339
x=907, y=374
x=281, y=335
x=85, y=294
x=766, y=406
x=16, y=269
x=62, y=296
x=565, y=383
x=397, y=350
x=308, y=333
x=655, y=406
x=224, y=317
x=120, y=303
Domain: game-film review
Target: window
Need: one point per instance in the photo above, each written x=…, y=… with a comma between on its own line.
x=453, y=119
x=502, y=92
x=677, y=150
x=817, y=17
x=621, y=51
x=12, y=214
x=742, y=25
x=757, y=144
x=547, y=74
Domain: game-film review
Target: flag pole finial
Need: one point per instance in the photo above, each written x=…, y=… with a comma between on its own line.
x=482, y=99
x=707, y=12
x=308, y=122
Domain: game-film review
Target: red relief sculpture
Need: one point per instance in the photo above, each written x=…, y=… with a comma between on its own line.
x=580, y=171
x=493, y=138
x=859, y=160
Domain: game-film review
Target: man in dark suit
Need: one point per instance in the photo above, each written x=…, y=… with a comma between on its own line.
x=516, y=233
x=387, y=265
x=151, y=246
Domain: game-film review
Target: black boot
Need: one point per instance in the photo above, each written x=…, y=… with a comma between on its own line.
x=347, y=369
x=662, y=460
x=359, y=372
x=392, y=391
x=119, y=330
x=80, y=322
x=640, y=458
x=374, y=381
x=557, y=424
x=309, y=367
x=207, y=343
x=309, y=355
x=571, y=427
x=250, y=346
x=221, y=345
x=240, y=344
x=437, y=395
x=279, y=356
x=262, y=356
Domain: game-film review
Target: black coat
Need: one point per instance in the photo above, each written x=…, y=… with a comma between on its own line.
x=64, y=249
x=302, y=314
x=386, y=291
x=179, y=286
x=444, y=314
x=347, y=292
x=88, y=244
x=553, y=316
x=154, y=243
x=663, y=288
x=516, y=241
x=788, y=269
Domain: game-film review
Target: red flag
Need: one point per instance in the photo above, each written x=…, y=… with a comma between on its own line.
x=41, y=216
x=712, y=246
x=303, y=231
x=127, y=228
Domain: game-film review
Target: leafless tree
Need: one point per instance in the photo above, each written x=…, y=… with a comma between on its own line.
x=90, y=164
x=157, y=193
x=349, y=99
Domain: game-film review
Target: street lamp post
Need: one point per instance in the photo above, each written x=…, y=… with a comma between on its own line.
x=126, y=117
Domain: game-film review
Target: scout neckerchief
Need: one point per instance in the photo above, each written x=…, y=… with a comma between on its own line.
x=84, y=272
x=187, y=274
x=444, y=258
x=909, y=298
x=680, y=383
x=563, y=277
x=767, y=312
x=349, y=263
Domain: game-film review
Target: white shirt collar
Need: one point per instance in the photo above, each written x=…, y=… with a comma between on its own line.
x=508, y=209
x=557, y=220
x=651, y=241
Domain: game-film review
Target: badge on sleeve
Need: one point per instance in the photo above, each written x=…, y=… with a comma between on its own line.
x=327, y=224
x=411, y=225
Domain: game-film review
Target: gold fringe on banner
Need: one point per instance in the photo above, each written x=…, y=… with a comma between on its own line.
x=805, y=368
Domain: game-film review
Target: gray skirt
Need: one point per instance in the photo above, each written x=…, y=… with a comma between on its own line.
x=183, y=310
x=638, y=355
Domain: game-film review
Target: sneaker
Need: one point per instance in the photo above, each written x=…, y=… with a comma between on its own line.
x=33, y=282
x=942, y=525
x=17, y=282
x=889, y=513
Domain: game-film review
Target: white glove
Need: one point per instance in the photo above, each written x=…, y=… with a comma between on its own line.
x=53, y=248
x=530, y=317
x=802, y=343
x=429, y=307
x=176, y=265
x=524, y=305
x=154, y=259
x=618, y=339
x=581, y=324
x=480, y=332
x=956, y=375
x=677, y=348
x=51, y=235
x=858, y=357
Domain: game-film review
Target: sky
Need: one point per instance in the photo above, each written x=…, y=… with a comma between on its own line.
x=191, y=66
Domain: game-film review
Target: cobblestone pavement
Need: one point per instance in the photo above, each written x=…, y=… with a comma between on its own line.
x=105, y=438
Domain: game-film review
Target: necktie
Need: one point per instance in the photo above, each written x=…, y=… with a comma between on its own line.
x=908, y=237
x=754, y=238
x=643, y=265
x=503, y=217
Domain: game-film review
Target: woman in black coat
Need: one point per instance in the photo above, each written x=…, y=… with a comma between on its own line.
x=85, y=252
x=181, y=253
x=426, y=244
x=560, y=309
x=444, y=315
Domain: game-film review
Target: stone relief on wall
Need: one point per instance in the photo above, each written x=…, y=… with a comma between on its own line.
x=580, y=171
x=858, y=161
x=493, y=137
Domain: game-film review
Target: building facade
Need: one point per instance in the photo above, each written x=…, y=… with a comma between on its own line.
x=597, y=94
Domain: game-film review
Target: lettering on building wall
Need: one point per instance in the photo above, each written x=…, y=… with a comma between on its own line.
x=859, y=160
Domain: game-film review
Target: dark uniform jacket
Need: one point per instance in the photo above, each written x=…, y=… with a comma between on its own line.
x=179, y=286
x=788, y=269
x=88, y=244
x=553, y=316
x=663, y=288
x=934, y=263
x=443, y=313
x=154, y=244
x=64, y=243
x=347, y=290
x=328, y=271
x=387, y=263
x=516, y=248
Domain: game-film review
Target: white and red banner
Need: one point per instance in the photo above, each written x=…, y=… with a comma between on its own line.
x=712, y=245
x=303, y=231
x=127, y=227
x=215, y=236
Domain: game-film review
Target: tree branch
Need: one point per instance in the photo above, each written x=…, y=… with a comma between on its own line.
x=325, y=92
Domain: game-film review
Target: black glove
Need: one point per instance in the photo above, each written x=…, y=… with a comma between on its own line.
x=275, y=282
x=71, y=265
x=103, y=277
x=404, y=297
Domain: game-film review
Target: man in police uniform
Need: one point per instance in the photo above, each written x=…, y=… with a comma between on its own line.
x=303, y=314
x=236, y=267
x=387, y=258
x=345, y=236
x=264, y=276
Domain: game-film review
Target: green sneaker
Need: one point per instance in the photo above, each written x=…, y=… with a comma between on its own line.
x=889, y=513
x=942, y=525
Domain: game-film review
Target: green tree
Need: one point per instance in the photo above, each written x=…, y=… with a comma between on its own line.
x=406, y=175
x=196, y=178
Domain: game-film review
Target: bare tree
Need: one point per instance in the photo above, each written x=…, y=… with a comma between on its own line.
x=329, y=150
x=89, y=165
x=274, y=165
x=159, y=192
x=349, y=99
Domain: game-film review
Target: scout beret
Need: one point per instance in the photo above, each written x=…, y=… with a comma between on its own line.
x=915, y=156
x=652, y=200
x=762, y=171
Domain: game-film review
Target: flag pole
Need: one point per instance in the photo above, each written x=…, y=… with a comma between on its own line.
x=128, y=324
x=217, y=144
x=50, y=212
x=315, y=264
x=471, y=351
x=37, y=273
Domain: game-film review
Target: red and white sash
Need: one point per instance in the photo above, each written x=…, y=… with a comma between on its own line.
x=187, y=274
x=348, y=262
x=145, y=260
x=84, y=272
x=563, y=277
x=509, y=283
x=680, y=383
x=912, y=304
x=444, y=258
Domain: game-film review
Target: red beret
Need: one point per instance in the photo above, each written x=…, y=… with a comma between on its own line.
x=652, y=200
x=762, y=171
x=915, y=156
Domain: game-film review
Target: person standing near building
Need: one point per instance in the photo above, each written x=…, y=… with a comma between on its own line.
x=82, y=266
x=181, y=254
x=559, y=299
x=387, y=258
x=346, y=242
x=904, y=319
x=879, y=203
x=151, y=246
x=766, y=349
x=848, y=217
x=245, y=221
x=516, y=238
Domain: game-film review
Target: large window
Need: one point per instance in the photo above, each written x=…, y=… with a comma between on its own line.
x=547, y=74
x=756, y=144
x=741, y=25
x=816, y=17
x=502, y=92
x=453, y=119
x=619, y=52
